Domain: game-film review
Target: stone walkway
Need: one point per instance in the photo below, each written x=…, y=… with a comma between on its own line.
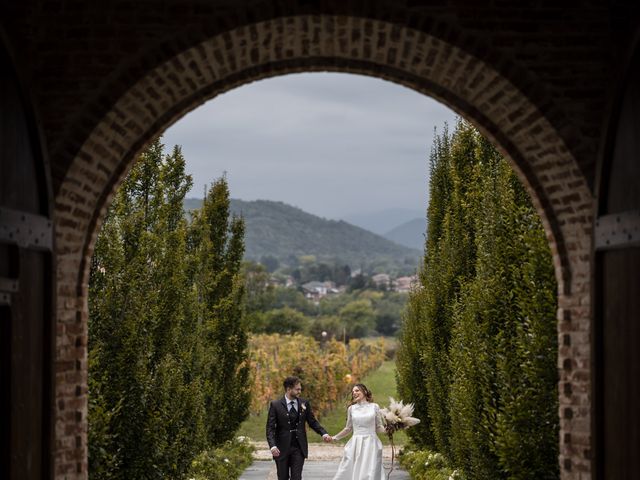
x=322, y=463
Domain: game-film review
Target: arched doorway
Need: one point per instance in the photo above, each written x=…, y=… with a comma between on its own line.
x=475, y=88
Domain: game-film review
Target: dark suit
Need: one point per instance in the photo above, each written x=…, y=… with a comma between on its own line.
x=293, y=445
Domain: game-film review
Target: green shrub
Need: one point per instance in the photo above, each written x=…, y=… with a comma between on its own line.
x=227, y=461
x=428, y=465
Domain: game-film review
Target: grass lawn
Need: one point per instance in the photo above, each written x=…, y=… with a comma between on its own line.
x=382, y=383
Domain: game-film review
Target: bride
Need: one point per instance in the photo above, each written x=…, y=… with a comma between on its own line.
x=362, y=459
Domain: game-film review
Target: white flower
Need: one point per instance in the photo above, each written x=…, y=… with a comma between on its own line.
x=226, y=460
x=394, y=406
x=397, y=416
x=392, y=412
x=410, y=421
x=390, y=417
x=406, y=410
x=399, y=413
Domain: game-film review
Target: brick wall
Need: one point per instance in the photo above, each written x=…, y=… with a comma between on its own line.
x=106, y=77
x=408, y=56
x=80, y=57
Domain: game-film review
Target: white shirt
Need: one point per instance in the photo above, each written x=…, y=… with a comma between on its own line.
x=295, y=402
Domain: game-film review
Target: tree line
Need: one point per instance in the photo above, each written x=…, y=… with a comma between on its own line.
x=168, y=375
x=361, y=310
x=478, y=344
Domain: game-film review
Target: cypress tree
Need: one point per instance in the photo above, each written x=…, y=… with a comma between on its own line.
x=221, y=289
x=410, y=361
x=478, y=350
x=176, y=402
x=479, y=316
x=410, y=371
x=449, y=261
x=159, y=352
x=122, y=311
x=527, y=422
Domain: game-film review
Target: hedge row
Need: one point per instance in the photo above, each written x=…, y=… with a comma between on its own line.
x=168, y=374
x=479, y=344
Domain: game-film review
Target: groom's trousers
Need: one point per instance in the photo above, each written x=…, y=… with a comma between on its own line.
x=290, y=465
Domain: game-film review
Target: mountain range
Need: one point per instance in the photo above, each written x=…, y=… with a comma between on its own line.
x=410, y=234
x=383, y=221
x=287, y=233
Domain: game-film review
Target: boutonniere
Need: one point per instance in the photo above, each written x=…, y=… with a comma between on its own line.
x=303, y=407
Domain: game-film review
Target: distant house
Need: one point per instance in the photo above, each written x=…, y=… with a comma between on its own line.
x=381, y=280
x=314, y=291
x=405, y=284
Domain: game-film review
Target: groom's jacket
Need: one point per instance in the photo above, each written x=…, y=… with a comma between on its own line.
x=279, y=426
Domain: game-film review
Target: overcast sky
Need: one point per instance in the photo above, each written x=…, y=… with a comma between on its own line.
x=334, y=145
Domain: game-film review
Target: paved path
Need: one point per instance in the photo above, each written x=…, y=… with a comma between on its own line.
x=313, y=470
x=321, y=465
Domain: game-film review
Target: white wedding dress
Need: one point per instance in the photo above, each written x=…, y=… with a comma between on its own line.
x=362, y=459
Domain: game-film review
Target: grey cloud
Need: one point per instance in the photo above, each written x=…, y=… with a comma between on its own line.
x=332, y=144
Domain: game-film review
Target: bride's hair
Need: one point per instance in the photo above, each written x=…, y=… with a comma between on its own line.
x=363, y=388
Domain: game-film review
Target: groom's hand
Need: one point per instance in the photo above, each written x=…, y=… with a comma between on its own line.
x=275, y=451
x=327, y=438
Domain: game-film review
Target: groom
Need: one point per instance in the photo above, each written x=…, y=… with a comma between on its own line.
x=286, y=432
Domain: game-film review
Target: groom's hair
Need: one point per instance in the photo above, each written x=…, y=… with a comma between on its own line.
x=291, y=382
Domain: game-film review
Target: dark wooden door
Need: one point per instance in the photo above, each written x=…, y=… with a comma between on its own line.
x=26, y=282
x=617, y=322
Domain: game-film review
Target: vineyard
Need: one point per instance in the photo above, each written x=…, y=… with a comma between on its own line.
x=327, y=369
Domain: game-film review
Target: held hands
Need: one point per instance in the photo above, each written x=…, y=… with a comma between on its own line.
x=275, y=451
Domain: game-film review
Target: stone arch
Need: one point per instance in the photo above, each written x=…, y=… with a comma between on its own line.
x=477, y=89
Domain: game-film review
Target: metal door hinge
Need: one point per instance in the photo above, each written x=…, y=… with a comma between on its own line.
x=26, y=230
x=618, y=230
x=7, y=287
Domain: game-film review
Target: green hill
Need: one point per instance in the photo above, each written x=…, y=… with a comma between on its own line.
x=410, y=234
x=287, y=233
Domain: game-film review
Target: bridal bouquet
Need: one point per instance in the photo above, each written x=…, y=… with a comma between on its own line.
x=397, y=416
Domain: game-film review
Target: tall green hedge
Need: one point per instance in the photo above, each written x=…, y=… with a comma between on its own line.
x=166, y=334
x=478, y=345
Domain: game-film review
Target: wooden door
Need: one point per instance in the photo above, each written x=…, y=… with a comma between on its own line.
x=617, y=322
x=26, y=281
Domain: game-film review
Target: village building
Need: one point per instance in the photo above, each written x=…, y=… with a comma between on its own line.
x=315, y=290
x=405, y=284
x=381, y=280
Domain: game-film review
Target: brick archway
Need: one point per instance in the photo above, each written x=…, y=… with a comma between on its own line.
x=504, y=109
